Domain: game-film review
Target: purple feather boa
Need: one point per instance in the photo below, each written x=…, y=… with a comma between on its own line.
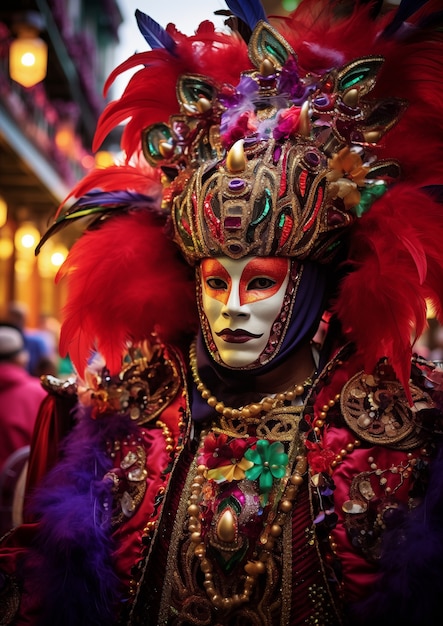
x=410, y=590
x=69, y=568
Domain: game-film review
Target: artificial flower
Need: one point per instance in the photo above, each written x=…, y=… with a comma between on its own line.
x=368, y=196
x=235, y=471
x=269, y=461
x=290, y=83
x=219, y=451
x=349, y=163
x=245, y=124
x=319, y=459
x=288, y=123
x=238, y=118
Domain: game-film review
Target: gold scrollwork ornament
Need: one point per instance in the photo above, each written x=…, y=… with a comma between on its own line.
x=377, y=410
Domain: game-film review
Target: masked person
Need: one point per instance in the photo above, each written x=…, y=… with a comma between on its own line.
x=224, y=468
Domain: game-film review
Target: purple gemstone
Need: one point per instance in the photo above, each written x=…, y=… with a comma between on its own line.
x=181, y=130
x=233, y=222
x=266, y=81
x=277, y=154
x=236, y=184
x=335, y=218
x=321, y=101
x=312, y=158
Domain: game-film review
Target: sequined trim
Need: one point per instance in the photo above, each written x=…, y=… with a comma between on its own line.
x=171, y=565
x=147, y=384
x=128, y=484
x=153, y=527
x=324, y=599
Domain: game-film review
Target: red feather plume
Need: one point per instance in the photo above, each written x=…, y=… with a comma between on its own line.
x=412, y=70
x=395, y=259
x=150, y=95
x=396, y=265
x=125, y=280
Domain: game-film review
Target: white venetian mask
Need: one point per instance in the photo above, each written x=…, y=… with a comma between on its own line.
x=241, y=300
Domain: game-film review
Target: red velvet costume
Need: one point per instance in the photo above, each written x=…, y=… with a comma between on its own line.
x=353, y=491
x=183, y=494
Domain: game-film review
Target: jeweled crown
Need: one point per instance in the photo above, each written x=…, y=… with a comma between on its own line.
x=279, y=165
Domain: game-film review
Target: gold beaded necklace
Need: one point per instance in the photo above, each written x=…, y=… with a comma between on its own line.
x=272, y=531
x=274, y=525
x=250, y=410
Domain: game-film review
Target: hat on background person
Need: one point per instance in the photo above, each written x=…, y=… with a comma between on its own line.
x=11, y=342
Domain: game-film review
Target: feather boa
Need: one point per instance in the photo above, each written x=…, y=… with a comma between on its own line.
x=69, y=568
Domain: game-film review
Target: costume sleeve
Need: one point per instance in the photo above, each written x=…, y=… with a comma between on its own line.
x=54, y=420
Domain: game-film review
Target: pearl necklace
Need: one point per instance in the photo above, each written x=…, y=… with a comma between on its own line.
x=250, y=410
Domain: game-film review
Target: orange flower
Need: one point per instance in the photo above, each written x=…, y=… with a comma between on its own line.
x=349, y=164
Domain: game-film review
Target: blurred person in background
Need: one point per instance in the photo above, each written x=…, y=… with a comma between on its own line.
x=436, y=351
x=20, y=393
x=37, y=347
x=20, y=397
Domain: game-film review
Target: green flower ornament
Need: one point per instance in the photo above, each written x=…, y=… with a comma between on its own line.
x=270, y=463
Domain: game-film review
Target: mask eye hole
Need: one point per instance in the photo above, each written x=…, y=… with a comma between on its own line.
x=260, y=283
x=216, y=283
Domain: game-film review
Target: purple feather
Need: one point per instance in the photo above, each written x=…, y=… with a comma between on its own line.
x=120, y=198
x=70, y=566
x=435, y=191
x=98, y=204
x=405, y=9
x=155, y=35
x=249, y=11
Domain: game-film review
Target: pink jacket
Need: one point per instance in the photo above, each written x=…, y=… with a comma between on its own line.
x=20, y=399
